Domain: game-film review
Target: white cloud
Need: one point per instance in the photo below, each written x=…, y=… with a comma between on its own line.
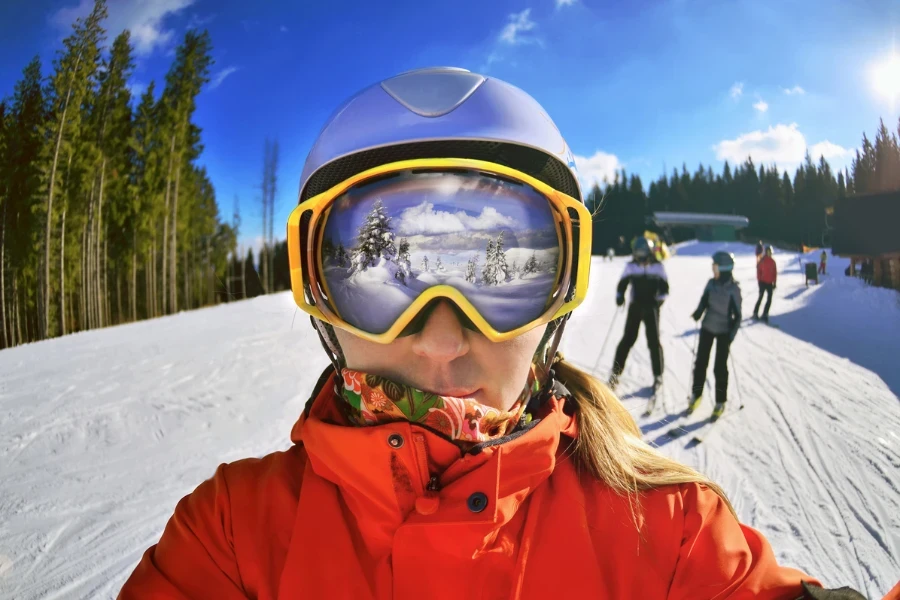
x=424, y=219
x=219, y=77
x=829, y=151
x=783, y=145
x=519, y=23
x=796, y=90
x=137, y=89
x=143, y=18
x=737, y=90
x=561, y=3
x=284, y=29
x=762, y=106
x=595, y=169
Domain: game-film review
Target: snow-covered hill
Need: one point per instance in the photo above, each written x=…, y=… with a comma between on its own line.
x=102, y=432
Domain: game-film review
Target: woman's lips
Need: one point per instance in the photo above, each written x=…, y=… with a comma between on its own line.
x=454, y=392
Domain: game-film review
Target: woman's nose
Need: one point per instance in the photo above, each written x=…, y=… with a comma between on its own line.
x=443, y=337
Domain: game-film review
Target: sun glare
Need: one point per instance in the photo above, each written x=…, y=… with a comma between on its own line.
x=886, y=78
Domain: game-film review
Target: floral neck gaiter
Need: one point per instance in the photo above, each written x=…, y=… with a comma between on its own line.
x=373, y=400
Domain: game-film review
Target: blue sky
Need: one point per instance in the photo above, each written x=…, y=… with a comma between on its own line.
x=641, y=85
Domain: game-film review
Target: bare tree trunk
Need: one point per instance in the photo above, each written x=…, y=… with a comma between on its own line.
x=98, y=281
x=89, y=263
x=156, y=311
x=184, y=267
x=107, y=296
x=119, y=297
x=82, y=317
x=45, y=318
x=72, y=310
x=205, y=271
x=148, y=286
x=153, y=305
x=263, y=262
x=62, y=269
x=173, y=298
x=165, y=249
x=7, y=342
x=194, y=298
x=18, y=316
x=243, y=276
x=134, y=276
x=273, y=168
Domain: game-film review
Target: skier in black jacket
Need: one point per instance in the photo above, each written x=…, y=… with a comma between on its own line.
x=649, y=289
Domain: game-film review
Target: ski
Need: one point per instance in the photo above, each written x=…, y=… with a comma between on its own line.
x=651, y=403
x=704, y=431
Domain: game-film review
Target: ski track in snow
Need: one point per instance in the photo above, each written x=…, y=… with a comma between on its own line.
x=102, y=432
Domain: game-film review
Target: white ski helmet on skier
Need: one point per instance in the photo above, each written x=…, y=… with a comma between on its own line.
x=459, y=125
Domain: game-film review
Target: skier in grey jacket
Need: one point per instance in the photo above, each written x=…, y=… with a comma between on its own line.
x=721, y=302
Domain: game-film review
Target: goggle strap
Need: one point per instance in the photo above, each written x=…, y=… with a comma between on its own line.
x=330, y=343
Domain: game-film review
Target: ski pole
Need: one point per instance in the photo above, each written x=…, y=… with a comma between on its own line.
x=606, y=340
x=737, y=385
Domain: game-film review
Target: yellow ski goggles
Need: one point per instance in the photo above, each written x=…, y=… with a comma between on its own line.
x=509, y=251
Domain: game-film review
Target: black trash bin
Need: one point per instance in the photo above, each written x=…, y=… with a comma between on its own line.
x=812, y=273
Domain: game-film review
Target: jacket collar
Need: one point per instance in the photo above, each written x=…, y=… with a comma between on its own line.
x=383, y=470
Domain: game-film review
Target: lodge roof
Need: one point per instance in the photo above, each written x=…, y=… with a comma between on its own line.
x=689, y=218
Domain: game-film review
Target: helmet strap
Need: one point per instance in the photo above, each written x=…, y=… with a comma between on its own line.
x=330, y=344
x=546, y=353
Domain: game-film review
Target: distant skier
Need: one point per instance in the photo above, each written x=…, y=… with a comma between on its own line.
x=649, y=289
x=766, y=276
x=721, y=302
x=759, y=251
x=610, y=253
x=823, y=258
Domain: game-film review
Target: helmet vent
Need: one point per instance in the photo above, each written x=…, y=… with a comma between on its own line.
x=432, y=92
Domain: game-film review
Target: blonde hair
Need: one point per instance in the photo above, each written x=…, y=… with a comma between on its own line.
x=609, y=446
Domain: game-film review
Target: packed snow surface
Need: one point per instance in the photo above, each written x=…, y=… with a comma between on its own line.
x=102, y=432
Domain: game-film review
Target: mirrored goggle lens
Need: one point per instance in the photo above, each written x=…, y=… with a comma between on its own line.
x=387, y=241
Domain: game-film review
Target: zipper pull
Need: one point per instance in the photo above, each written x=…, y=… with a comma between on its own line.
x=433, y=484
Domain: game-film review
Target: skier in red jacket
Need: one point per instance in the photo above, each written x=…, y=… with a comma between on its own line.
x=766, y=275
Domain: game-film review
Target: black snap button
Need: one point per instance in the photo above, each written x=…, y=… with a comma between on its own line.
x=395, y=440
x=477, y=502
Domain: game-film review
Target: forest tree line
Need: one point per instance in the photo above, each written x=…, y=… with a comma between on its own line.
x=791, y=211
x=106, y=217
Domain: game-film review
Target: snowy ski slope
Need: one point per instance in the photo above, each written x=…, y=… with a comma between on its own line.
x=102, y=432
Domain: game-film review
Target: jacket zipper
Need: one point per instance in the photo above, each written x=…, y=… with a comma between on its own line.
x=429, y=481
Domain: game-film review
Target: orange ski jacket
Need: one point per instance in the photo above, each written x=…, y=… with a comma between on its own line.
x=397, y=512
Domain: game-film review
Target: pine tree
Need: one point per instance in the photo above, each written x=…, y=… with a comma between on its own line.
x=531, y=266
x=24, y=194
x=375, y=239
x=403, y=262
x=187, y=75
x=425, y=264
x=341, y=256
x=489, y=272
x=864, y=165
x=439, y=266
x=471, y=265
x=502, y=269
x=328, y=249
x=70, y=85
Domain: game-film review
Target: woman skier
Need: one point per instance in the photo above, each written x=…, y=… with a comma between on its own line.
x=766, y=277
x=721, y=301
x=449, y=451
x=649, y=289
